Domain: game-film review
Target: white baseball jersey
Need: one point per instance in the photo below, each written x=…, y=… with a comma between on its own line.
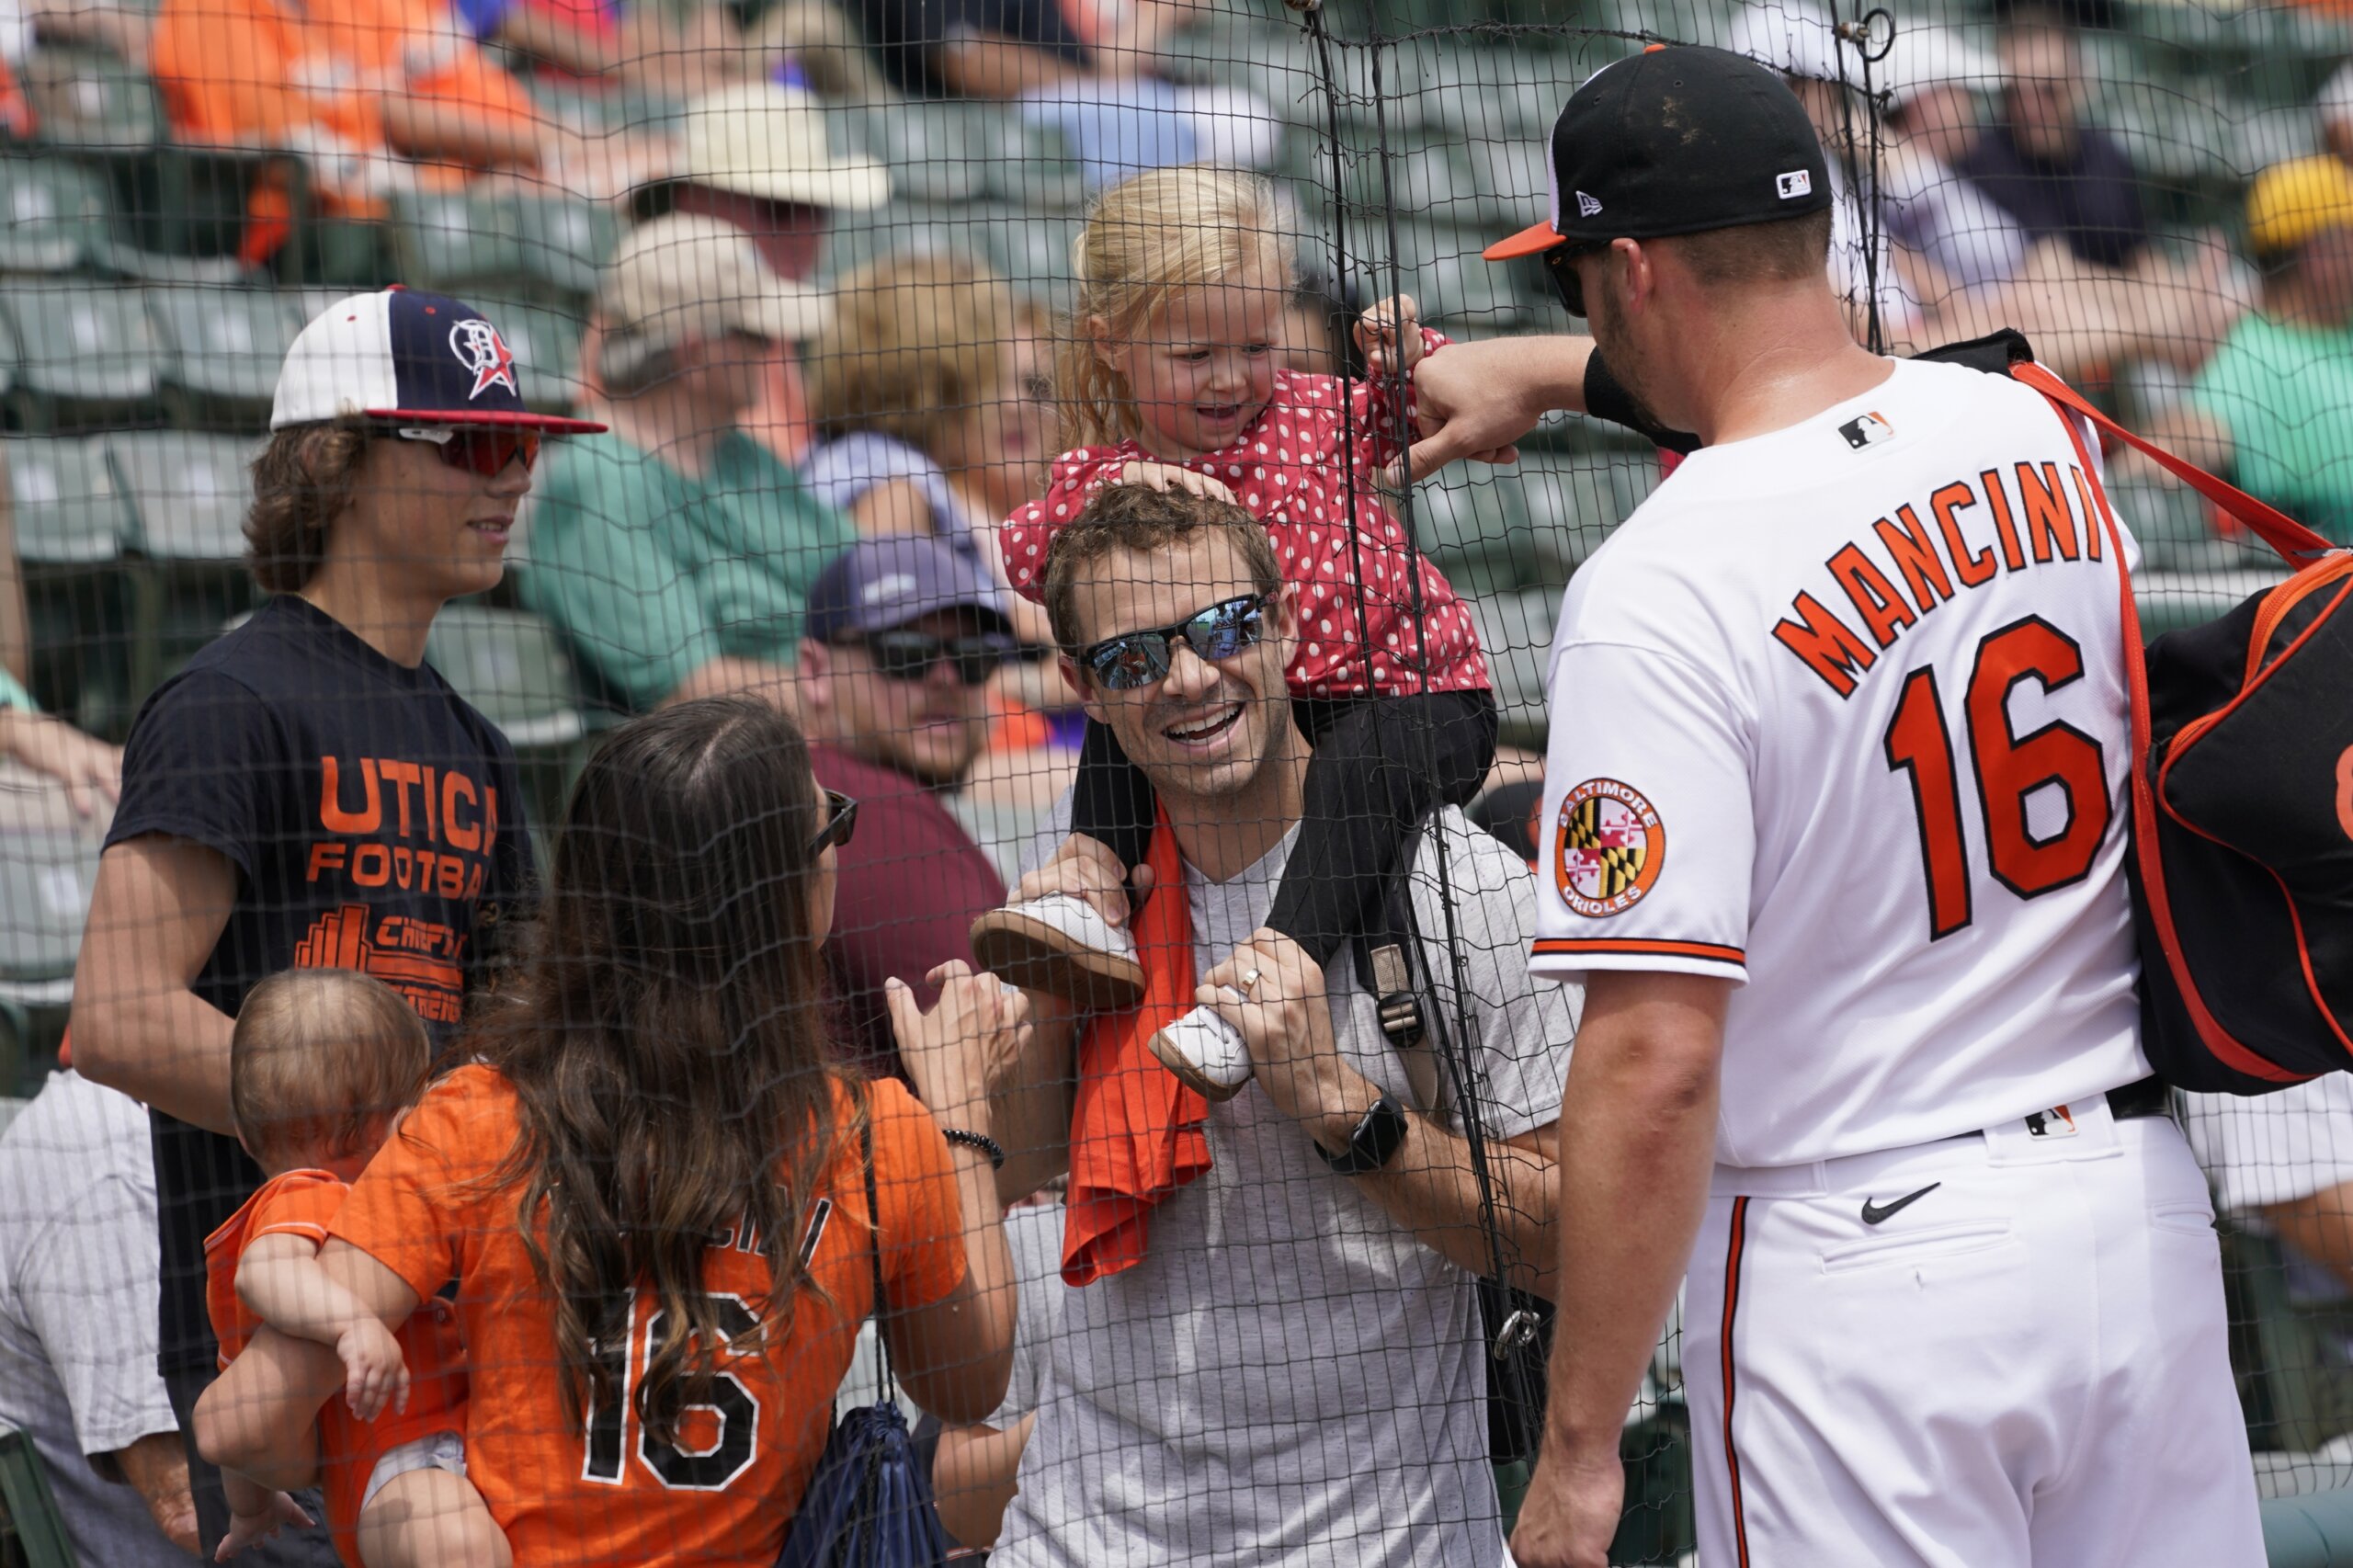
x=1840, y=714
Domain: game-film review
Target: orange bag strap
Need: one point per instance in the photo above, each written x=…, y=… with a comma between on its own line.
x=2297, y=545
x=2282, y=533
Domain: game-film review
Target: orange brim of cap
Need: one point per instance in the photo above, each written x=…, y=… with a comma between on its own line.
x=1528, y=242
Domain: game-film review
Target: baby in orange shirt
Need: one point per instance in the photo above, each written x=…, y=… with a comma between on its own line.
x=322, y=1065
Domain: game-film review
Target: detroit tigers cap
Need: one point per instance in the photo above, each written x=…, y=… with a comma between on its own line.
x=892, y=579
x=1674, y=140
x=402, y=354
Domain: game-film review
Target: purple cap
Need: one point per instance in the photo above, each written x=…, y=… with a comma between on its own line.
x=892, y=579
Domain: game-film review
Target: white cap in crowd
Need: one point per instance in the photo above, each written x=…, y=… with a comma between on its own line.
x=687, y=276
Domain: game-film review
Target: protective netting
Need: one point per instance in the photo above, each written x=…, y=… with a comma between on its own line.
x=817, y=265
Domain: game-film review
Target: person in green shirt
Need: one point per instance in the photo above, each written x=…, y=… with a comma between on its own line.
x=2274, y=406
x=675, y=552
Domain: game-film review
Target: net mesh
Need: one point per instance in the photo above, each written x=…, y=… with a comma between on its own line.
x=818, y=266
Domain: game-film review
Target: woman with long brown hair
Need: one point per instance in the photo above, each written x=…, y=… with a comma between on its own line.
x=649, y=1188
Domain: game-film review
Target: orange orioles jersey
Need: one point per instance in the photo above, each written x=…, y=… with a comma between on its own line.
x=605, y=1490
x=302, y=1203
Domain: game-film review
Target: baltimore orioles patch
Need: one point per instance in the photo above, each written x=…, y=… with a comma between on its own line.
x=1608, y=848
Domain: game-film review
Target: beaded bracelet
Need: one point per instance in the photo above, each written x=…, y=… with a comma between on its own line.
x=980, y=1141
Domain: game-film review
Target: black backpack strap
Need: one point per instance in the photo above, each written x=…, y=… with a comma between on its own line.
x=1994, y=353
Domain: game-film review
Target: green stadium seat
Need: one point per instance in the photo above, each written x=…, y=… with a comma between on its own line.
x=223, y=345
x=1515, y=630
x=441, y=241
x=513, y=667
x=32, y=1531
x=1452, y=282
x=1034, y=169
x=565, y=243
x=1572, y=503
x=46, y=878
x=1473, y=528
x=87, y=97
x=57, y=214
x=938, y=150
x=80, y=344
x=188, y=492
x=69, y=511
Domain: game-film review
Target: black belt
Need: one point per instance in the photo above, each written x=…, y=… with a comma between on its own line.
x=2150, y=1096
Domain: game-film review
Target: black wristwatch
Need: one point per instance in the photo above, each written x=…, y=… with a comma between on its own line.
x=1374, y=1142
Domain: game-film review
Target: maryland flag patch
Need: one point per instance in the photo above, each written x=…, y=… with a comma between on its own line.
x=1608, y=848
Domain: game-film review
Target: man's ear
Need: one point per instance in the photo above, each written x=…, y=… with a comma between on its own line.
x=816, y=669
x=1631, y=271
x=1075, y=678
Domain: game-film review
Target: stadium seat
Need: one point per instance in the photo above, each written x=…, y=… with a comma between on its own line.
x=57, y=214
x=1453, y=284
x=515, y=668
x=69, y=511
x=1473, y=529
x=223, y=347
x=1515, y=630
x=31, y=1529
x=188, y=493
x=565, y=243
x=937, y=150
x=46, y=878
x=88, y=99
x=83, y=352
x=441, y=240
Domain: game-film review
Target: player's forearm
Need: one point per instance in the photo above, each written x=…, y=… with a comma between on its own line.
x=1638, y=1128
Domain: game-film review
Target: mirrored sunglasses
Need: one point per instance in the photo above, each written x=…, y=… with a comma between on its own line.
x=476, y=449
x=1137, y=659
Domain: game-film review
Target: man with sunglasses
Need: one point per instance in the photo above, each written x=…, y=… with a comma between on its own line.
x=1278, y=1356
x=677, y=552
x=309, y=792
x=903, y=634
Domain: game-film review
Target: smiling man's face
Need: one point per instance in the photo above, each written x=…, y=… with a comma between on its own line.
x=1206, y=732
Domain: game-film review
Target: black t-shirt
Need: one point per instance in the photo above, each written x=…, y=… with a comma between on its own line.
x=903, y=33
x=376, y=822
x=2092, y=203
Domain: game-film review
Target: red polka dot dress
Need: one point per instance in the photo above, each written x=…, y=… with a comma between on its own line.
x=1287, y=469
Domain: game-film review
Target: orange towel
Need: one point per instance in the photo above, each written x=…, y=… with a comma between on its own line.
x=1135, y=1131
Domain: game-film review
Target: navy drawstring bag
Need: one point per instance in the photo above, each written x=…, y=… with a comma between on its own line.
x=868, y=1503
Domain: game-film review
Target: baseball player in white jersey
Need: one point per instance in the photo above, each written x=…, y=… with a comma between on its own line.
x=1836, y=835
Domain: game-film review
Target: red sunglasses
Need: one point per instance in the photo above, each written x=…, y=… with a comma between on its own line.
x=475, y=450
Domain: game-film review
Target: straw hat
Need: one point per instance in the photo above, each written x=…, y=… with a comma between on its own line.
x=687, y=276
x=768, y=141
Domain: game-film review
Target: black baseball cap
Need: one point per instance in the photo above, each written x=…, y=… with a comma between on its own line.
x=1677, y=140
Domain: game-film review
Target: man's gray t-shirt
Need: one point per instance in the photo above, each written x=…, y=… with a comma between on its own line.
x=1289, y=1377
x=78, y=1262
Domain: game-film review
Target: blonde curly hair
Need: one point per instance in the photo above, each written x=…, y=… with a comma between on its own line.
x=1146, y=238
x=916, y=342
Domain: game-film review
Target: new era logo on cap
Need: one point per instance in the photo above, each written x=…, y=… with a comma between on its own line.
x=1796, y=183
x=1586, y=205
x=405, y=355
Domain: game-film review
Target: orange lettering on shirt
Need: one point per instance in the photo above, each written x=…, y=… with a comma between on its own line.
x=1876, y=600
x=326, y=854
x=2345, y=790
x=1825, y=643
x=371, y=865
x=401, y=775
x=2048, y=520
x=432, y=808
x=1915, y=558
x=455, y=788
x=1999, y=499
x=332, y=816
x=1946, y=505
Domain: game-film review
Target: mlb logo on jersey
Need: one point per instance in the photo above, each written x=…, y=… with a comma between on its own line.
x=1867, y=431
x=1609, y=847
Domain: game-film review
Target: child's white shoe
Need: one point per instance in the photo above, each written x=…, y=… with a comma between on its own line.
x=1206, y=1052
x=1060, y=945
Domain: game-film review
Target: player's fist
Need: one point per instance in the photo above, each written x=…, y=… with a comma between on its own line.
x=375, y=1373
x=1571, y=1514
x=277, y=1511
x=1165, y=477
x=1390, y=335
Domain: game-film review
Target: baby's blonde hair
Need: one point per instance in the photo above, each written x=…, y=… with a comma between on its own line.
x=319, y=1060
x=1145, y=239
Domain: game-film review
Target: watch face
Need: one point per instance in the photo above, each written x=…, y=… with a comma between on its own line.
x=1374, y=1142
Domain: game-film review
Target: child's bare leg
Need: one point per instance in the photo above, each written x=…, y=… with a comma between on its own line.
x=430, y=1518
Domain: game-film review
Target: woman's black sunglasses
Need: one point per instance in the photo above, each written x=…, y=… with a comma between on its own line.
x=841, y=821
x=1137, y=659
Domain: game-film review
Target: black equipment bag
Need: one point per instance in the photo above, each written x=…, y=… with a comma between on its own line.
x=2242, y=859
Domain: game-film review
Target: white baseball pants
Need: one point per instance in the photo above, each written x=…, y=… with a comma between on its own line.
x=2024, y=1365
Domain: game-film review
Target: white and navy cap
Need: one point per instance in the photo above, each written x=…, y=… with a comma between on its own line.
x=407, y=356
